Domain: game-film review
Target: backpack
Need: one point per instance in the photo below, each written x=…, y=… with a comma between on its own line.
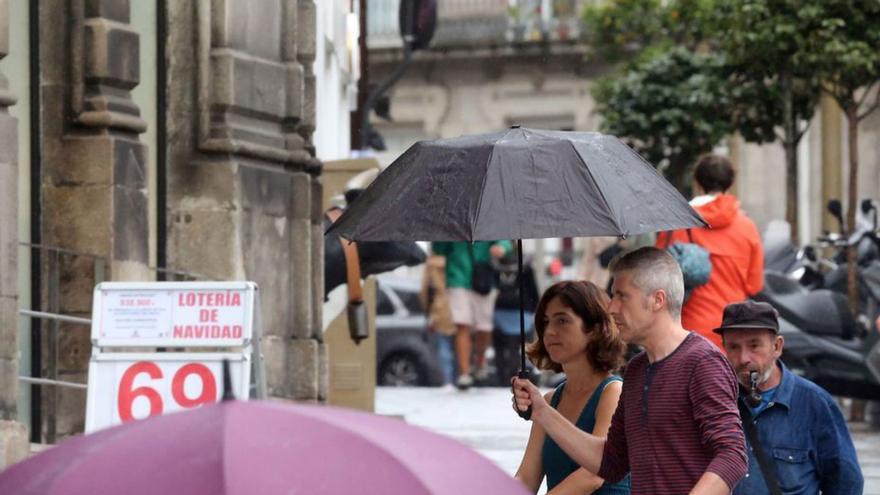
x=696, y=266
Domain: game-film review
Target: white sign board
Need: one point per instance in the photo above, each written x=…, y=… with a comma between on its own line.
x=125, y=387
x=173, y=314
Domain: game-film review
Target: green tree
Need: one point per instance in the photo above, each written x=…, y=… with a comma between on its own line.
x=670, y=108
x=620, y=29
x=846, y=47
x=772, y=74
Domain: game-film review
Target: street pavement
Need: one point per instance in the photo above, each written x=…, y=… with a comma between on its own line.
x=483, y=419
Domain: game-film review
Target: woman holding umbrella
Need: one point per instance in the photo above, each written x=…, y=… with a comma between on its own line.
x=575, y=336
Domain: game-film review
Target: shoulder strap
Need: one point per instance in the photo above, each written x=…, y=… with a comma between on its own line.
x=767, y=469
x=352, y=262
x=554, y=401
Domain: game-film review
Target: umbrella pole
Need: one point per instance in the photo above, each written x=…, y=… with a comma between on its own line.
x=523, y=372
x=522, y=316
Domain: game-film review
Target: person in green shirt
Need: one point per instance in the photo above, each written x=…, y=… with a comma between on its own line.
x=471, y=300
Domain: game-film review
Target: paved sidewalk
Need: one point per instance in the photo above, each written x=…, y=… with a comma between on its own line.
x=480, y=418
x=483, y=419
x=867, y=442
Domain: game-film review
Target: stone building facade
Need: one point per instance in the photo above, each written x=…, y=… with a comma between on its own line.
x=137, y=137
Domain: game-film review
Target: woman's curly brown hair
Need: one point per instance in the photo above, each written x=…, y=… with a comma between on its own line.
x=605, y=349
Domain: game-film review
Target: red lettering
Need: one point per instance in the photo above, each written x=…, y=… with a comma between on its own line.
x=236, y=331
x=127, y=395
x=209, y=385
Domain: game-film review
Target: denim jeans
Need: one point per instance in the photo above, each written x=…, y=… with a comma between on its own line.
x=446, y=357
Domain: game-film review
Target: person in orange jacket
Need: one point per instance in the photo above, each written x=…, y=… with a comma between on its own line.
x=733, y=243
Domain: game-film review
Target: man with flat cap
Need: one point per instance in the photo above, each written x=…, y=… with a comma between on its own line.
x=797, y=438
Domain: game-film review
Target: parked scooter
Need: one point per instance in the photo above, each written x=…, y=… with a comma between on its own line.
x=825, y=342
x=867, y=244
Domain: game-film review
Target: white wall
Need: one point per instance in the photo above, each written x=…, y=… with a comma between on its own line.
x=336, y=68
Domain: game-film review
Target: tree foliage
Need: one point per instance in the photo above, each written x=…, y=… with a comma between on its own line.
x=624, y=28
x=670, y=108
x=768, y=61
x=845, y=47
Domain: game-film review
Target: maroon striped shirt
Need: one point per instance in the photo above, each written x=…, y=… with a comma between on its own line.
x=676, y=419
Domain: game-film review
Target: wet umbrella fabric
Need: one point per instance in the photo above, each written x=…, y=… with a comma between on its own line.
x=517, y=184
x=266, y=448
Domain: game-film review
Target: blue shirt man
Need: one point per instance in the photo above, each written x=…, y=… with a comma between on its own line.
x=801, y=430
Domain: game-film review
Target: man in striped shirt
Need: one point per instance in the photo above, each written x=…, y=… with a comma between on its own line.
x=677, y=427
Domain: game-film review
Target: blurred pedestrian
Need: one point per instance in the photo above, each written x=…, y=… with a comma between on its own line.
x=600, y=251
x=470, y=286
x=801, y=443
x=597, y=255
x=436, y=303
x=677, y=428
x=506, y=334
x=733, y=243
x=575, y=336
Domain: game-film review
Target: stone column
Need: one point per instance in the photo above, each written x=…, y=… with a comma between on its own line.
x=94, y=198
x=241, y=166
x=317, y=214
x=13, y=435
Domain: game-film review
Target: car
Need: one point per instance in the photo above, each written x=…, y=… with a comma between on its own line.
x=406, y=350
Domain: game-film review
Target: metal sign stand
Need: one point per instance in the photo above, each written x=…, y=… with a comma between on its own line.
x=258, y=361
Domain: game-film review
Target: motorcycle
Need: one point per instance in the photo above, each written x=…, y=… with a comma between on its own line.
x=824, y=341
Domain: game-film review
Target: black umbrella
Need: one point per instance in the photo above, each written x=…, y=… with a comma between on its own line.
x=517, y=184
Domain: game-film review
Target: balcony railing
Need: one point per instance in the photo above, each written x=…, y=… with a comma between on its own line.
x=481, y=23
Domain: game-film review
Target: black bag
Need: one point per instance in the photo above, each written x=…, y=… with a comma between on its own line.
x=483, y=275
x=483, y=278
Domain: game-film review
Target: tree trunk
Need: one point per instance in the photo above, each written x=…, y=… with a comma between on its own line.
x=852, y=285
x=791, y=188
x=791, y=160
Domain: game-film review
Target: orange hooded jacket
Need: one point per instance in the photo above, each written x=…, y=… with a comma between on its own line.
x=737, y=256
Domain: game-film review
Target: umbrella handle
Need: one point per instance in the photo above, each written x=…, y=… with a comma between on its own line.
x=527, y=414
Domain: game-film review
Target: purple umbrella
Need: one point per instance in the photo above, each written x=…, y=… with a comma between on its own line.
x=259, y=447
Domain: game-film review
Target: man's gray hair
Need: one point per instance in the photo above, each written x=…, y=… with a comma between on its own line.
x=654, y=269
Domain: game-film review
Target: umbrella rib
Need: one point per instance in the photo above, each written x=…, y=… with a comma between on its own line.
x=601, y=193
x=482, y=187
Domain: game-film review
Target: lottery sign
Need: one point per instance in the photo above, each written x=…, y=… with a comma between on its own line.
x=173, y=314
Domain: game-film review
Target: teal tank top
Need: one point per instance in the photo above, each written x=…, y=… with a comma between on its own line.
x=557, y=464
